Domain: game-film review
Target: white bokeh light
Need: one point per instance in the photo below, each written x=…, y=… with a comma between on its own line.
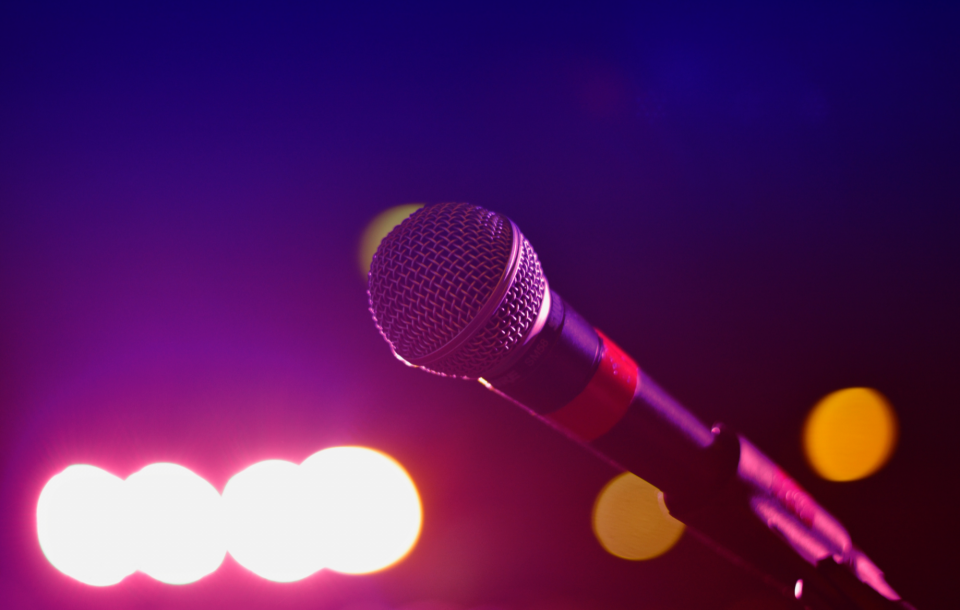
x=350, y=509
x=369, y=509
x=82, y=525
x=177, y=520
x=272, y=525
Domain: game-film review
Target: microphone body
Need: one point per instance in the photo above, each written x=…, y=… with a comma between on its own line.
x=458, y=291
x=579, y=381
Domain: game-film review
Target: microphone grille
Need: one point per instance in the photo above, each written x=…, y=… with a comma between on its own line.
x=431, y=277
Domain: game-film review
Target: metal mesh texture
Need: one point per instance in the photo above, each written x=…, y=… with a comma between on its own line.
x=433, y=273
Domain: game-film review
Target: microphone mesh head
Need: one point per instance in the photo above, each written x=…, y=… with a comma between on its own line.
x=432, y=275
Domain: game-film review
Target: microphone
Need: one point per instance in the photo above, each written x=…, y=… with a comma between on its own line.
x=458, y=291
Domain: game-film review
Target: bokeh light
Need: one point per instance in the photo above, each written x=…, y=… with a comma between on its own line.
x=83, y=528
x=349, y=509
x=630, y=522
x=378, y=228
x=273, y=522
x=370, y=507
x=850, y=434
x=177, y=522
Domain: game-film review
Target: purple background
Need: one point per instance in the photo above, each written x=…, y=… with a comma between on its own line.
x=760, y=203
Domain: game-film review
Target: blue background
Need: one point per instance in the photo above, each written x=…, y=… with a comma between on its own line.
x=758, y=202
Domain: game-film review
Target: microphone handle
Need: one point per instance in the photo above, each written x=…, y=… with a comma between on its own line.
x=580, y=382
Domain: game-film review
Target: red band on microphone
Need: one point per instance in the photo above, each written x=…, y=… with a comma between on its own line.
x=606, y=398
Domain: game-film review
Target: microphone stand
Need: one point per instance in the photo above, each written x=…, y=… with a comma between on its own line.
x=737, y=521
x=735, y=498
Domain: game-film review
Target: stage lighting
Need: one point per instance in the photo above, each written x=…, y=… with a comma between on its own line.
x=630, y=522
x=273, y=522
x=177, y=523
x=350, y=509
x=370, y=506
x=83, y=525
x=378, y=228
x=850, y=434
